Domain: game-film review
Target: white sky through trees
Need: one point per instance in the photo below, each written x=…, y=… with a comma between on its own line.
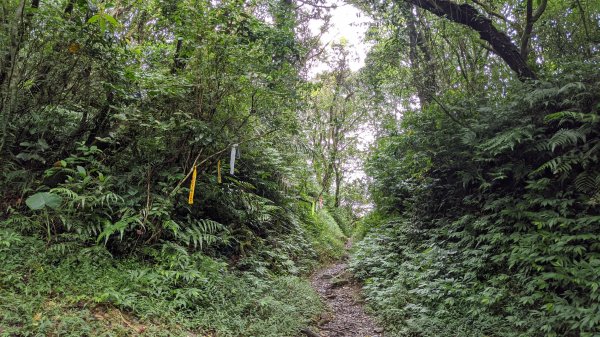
x=349, y=23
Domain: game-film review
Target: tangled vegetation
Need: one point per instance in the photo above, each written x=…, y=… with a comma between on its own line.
x=107, y=107
x=499, y=229
x=173, y=168
x=487, y=195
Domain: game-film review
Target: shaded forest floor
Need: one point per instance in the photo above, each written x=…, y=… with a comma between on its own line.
x=345, y=316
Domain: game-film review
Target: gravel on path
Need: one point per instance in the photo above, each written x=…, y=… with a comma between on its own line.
x=346, y=316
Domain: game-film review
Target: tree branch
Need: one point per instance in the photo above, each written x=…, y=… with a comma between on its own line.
x=530, y=18
x=212, y=156
x=488, y=10
x=467, y=15
x=449, y=114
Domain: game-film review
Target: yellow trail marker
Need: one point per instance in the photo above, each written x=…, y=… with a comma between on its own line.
x=192, y=186
x=219, y=172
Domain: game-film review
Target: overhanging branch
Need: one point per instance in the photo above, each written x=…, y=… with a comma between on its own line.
x=467, y=15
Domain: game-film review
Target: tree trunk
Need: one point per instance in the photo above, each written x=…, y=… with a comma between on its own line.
x=9, y=70
x=338, y=186
x=422, y=64
x=530, y=19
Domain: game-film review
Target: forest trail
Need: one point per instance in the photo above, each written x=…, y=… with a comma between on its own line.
x=346, y=316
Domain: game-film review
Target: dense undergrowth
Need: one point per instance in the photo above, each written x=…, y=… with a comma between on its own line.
x=69, y=287
x=170, y=292
x=71, y=270
x=490, y=229
x=107, y=107
x=199, y=277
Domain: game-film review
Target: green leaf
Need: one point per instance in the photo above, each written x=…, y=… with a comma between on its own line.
x=111, y=20
x=44, y=199
x=94, y=18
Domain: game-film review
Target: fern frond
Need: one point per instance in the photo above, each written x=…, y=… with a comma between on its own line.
x=508, y=140
x=565, y=137
x=593, y=152
x=91, y=229
x=586, y=182
x=201, y=233
x=568, y=116
x=553, y=164
x=109, y=199
x=65, y=192
x=541, y=95
x=468, y=137
x=63, y=248
x=120, y=227
x=571, y=88
x=242, y=184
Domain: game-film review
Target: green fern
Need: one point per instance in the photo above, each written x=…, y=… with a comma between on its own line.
x=562, y=164
x=571, y=116
x=125, y=223
x=566, y=137
x=202, y=233
x=572, y=88
x=593, y=153
x=587, y=182
x=508, y=140
x=8, y=238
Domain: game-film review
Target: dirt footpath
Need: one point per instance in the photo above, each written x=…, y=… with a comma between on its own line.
x=346, y=316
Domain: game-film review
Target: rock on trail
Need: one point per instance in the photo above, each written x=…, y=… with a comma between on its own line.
x=346, y=316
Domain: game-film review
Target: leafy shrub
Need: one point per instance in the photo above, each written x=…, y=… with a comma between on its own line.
x=326, y=235
x=497, y=230
x=178, y=293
